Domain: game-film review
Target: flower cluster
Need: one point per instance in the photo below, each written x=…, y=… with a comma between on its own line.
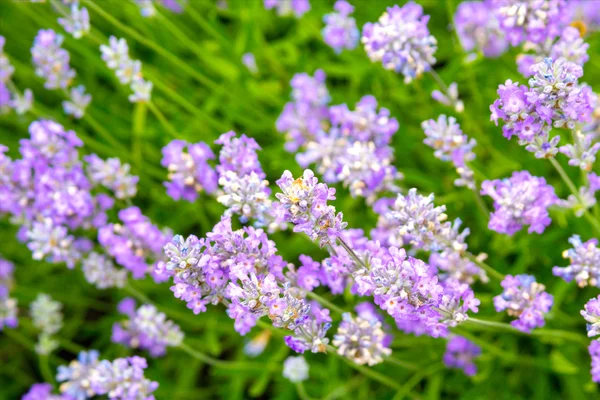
x=582, y=153
x=519, y=200
x=47, y=317
x=460, y=353
x=41, y=391
x=76, y=20
x=340, y=31
x=136, y=243
x=113, y=175
x=478, y=29
x=128, y=71
x=189, y=171
x=295, y=369
x=450, y=98
x=8, y=305
x=10, y=98
x=146, y=328
x=305, y=202
x=101, y=272
x=594, y=350
x=451, y=144
x=288, y=7
x=401, y=41
x=584, y=266
x=553, y=98
x=525, y=299
x=533, y=21
x=591, y=314
x=361, y=340
x=121, y=379
x=51, y=63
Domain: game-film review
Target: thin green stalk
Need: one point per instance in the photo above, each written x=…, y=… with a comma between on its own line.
x=593, y=221
x=137, y=294
x=301, y=390
x=223, y=364
x=489, y=270
x=480, y=203
x=163, y=121
x=351, y=253
x=45, y=370
x=138, y=128
x=416, y=378
x=325, y=302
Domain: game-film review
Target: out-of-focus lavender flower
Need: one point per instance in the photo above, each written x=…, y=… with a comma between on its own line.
x=591, y=313
x=78, y=102
x=147, y=8
x=452, y=266
x=451, y=144
x=582, y=153
x=189, y=172
x=6, y=68
x=307, y=114
x=524, y=20
x=47, y=317
x=128, y=71
x=519, y=200
x=53, y=242
x=8, y=305
x=101, y=272
x=449, y=99
x=247, y=196
x=525, y=299
x=255, y=346
x=295, y=369
x=594, y=350
x=401, y=41
x=288, y=7
x=340, y=31
x=580, y=203
x=136, y=244
x=41, y=391
x=239, y=155
x=51, y=61
x=112, y=175
x=146, y=328
x=176, y=6
x=584, y=15
x=22, y=103
x=78, y=22
x=122, y=379
x=305, y=202
x=249, y=61
x=584, y=266
x=570, y=45
x=460, y=353
x=478, y=29
x=425, y=225
x=75, y=376
x=361, y=340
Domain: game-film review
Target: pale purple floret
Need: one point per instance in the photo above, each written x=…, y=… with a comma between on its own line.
x=51, y=61
x=460, y=353
x=582, y=153
x=189, y=172
x=77, y=103
x=8, y=305
x=113, y=175
x=452, y=266
x=519, y=200
x=591, y=314
x=305, y=202
x=340, y=31
x=41, y=391
x=594, y=350
x=478, y=29
x=77, y=23
x=526, y=20
x=361, y=340
x=524, y=299
x=239, y=155
x=145, y=328
x=122, y=379
x=288, y=7
x=401, y=41
x=584, y=263
x=75, y=376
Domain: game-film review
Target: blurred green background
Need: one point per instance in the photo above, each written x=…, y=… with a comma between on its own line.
x=203, y=90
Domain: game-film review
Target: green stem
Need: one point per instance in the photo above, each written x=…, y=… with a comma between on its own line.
x=325, y=302
x=481, y=204
x=489, y=270
x=137, y=294
x=415, y=379
x=139, y=124
x=301, y=390
x=163, y=121
x=228, y=365
x=45, y=370
x=351, y=253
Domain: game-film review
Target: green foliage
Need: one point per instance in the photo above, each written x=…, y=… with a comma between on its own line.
x=202, y=89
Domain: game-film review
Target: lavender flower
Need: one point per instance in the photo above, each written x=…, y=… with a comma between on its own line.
x=122, y=379
x=582, y=153
x=46, y=240
x=594, y=350
x=41, y=391
x=8, y=305
x=580, y=203
x=238, y=155
x=295, y=369
x=591, y=313
x=450, y=98
x=584, y=264
x=77, y=103
x=519, y=200
x=460, y=353
x=570, y=45
x=22, y=103
x=361, y=340
x=189, y=172
x=288, y=7
x=247, y=196
x=47, y=317
x=340, y=31
x=51, y=61
x=146, y=328
x=75, y=376
x=249, y=61
x=401, y=41
x=147, y=8
x=478, y=30
x=102, y=273
x=305, y=202
x=450, y=144
x=112, y=175
x=525, y=299
x=523, y=20
x=78, y=22
x=452, y=266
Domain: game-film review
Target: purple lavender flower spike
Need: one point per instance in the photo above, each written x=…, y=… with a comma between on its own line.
x=591, y=314
x=584, y=265
x=288, y=7
x=594, y=350
x=401, y=41
x=75, y=376
x=460, y=353
x=51, y=61
x=525, y=299
x=8, y=305
x=340, y=31
x=582, y=153
x=41, y=391
x=478, y=30
x=361, y=340
x=189, y=171
x=112, y=175
x=519, y=200
x=78, y=22
x=238, y=155
x=122, y=379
